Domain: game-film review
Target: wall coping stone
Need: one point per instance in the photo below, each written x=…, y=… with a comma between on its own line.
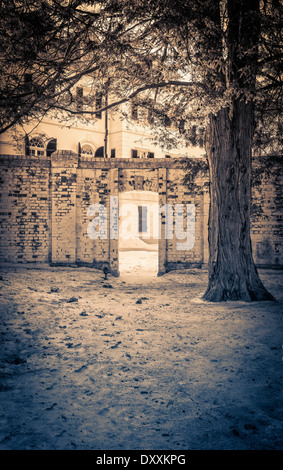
x=68, y=158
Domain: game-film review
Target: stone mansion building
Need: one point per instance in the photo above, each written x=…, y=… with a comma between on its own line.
x=54, y=170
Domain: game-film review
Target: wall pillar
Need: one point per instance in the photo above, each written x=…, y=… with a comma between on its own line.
x=64, y=165
x=162, y=245
x=113, y=220
x=205, y=228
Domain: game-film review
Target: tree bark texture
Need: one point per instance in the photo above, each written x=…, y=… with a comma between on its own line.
x=232, y=272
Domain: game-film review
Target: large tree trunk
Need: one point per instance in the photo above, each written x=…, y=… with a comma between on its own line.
x=232, y=272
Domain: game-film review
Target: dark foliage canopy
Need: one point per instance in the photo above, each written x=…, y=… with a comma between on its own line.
x=179, y=60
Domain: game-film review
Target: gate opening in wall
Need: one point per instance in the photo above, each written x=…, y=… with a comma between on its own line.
x=138, y=232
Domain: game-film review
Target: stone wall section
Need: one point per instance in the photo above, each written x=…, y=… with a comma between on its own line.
x=44, y=209
x=267, y=212
x=25, y=210
x=178, y=193
x=86, y=196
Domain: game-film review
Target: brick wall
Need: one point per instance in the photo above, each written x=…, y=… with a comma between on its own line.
x=25, y=210
x=63, y=207
x=44, y=209
x=267, y=212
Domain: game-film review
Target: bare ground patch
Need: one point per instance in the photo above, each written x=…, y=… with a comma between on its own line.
x=136, y=362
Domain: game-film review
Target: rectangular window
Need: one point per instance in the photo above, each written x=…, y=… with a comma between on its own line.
x=134, y=153
x=142, y=219
x=150, y=119
x=167, y=121
x=150, y=155
x=181, y=126
x=38, y=153
x=98, y=105
x=134, y=111
x=79, y=98
x=113, y=153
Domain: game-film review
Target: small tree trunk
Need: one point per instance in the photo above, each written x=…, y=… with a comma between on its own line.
x=232, y=272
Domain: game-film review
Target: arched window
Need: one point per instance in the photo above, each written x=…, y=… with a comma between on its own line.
x=51, y=147
x=86, y=150
x=99, y=152
x=36, y=147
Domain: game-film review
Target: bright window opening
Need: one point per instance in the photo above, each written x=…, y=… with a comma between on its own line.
x=138, y=233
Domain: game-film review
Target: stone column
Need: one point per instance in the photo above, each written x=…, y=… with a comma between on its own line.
x=64, y=165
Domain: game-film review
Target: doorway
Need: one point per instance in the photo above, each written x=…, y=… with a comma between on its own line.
x=138, y=232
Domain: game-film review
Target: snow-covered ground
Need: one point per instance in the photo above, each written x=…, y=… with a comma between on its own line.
x=136, y=362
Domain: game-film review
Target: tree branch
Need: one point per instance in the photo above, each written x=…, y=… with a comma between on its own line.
x=152, y=86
